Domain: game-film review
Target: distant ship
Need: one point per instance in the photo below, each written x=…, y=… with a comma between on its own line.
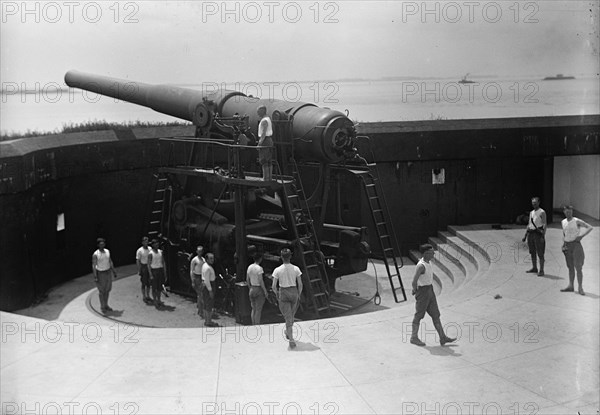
x=465, y=80
x=558, y=77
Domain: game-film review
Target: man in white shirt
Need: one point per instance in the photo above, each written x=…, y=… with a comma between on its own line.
x=141, y=259
x=209, y=287
x=257, y=289
x=156, y=268
x=265, y=135
x=426, y=302
x=574, y=255
x=196, y=277
x=288, y=277
x=536, y=236
x=102, y=268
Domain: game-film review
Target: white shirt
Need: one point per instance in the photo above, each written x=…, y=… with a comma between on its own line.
x=102, y=260
x=142, y=255
x=570, y=228
x=286, y=274
x=208, y=272
x=426, y=278
x=197, y=264
x=536, y=215
x=156, y=259
x=265, y=127
x=255, y=273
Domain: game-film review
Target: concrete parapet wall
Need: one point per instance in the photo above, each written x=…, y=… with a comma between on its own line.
x=101, y=183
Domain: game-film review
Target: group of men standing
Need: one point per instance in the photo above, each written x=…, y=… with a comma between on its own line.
x=287, y=286
x=287, y=281
x=574, y=230
x=151, y=268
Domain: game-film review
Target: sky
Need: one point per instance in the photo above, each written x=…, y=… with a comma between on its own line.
x=213, y=41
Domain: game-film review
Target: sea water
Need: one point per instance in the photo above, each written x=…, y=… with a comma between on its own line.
x=48, y=107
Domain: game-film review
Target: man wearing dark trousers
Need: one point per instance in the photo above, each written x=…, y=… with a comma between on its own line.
x=287, y=286
x=536, y=236
x=157, y=270
x=208, y=289
x=422, y=289
x=574, y=230
x=196, y=276
x=103, y=268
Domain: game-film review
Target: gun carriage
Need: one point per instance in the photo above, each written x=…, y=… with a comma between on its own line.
x=209, y=191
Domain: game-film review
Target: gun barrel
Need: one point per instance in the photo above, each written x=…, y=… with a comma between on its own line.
x=321, y=134
x=166, y=99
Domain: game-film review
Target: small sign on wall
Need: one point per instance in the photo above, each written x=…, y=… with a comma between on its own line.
x=438, y=176
x=60, y=222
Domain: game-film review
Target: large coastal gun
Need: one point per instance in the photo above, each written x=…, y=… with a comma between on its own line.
x=321, y=134
x=233, y=215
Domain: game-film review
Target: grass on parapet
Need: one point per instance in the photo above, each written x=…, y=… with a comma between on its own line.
x=93, y=126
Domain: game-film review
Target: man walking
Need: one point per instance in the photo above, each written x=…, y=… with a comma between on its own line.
x=288, y=277
x=422, y=289
x=535, y=235
x=103, y=268
x=196, y=276
x=574, y=255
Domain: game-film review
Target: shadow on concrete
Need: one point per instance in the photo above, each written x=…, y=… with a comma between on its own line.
x=443, y=350
x=551, y=277
x=305, y=347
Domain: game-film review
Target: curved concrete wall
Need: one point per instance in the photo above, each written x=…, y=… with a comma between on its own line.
x=101, y=182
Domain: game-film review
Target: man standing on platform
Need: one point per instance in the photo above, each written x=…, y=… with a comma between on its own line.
x=536, y=235
x=265, y=135
x=196, y=276
x=288, y=277
x=141, y=259
x=422, y=289
x=103, y=268
x=209, y=287
x=574, y=255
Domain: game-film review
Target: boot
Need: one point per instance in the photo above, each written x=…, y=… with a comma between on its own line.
x=443, y=338
x=534, y=265
x=541, y=273
x=414, y=338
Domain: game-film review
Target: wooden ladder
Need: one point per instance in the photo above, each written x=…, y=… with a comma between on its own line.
x=385, y=232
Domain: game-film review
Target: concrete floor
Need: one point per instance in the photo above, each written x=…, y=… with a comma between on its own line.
x=523, y=347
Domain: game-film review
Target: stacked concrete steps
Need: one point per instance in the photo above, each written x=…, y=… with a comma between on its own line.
x=473, y=251
x=448, y=261
x=458, y=261
x=442, y=281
